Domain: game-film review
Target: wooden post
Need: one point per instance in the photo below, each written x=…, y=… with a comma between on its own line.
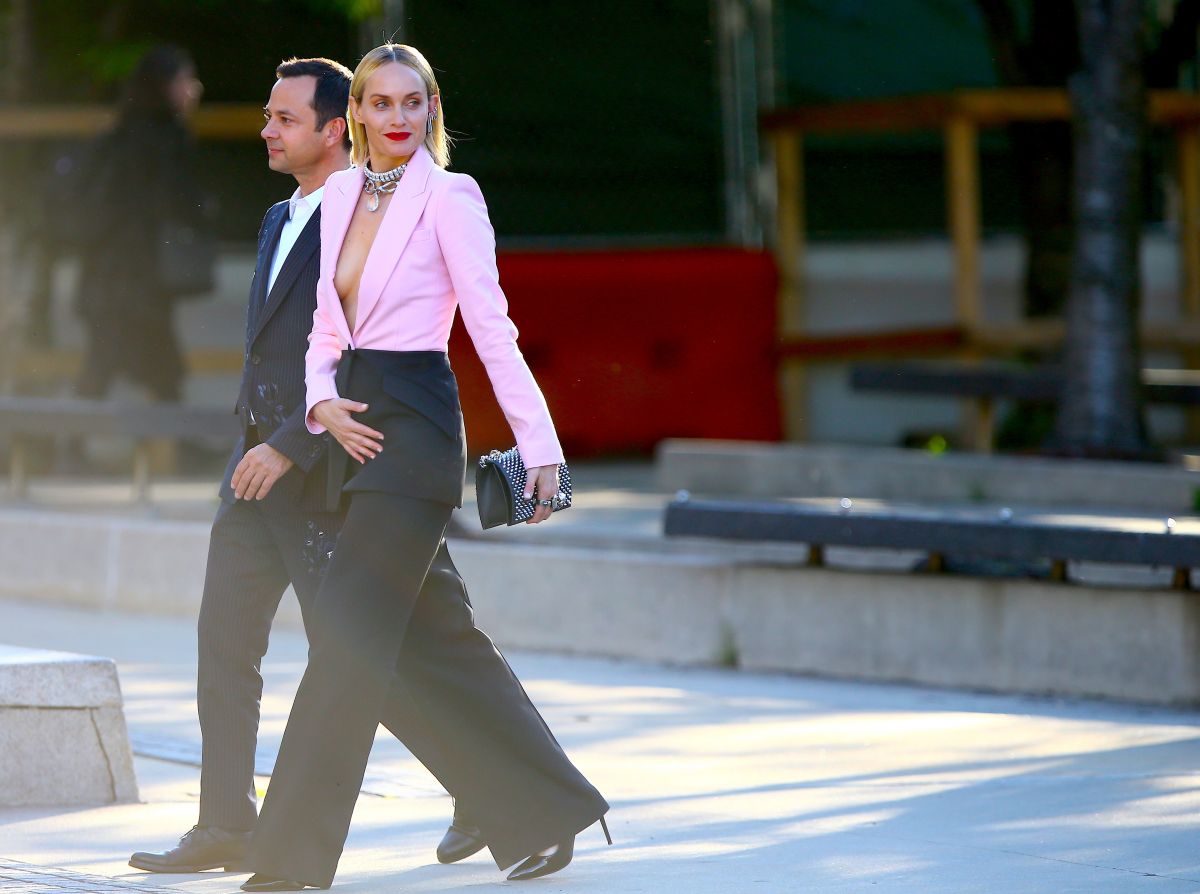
x=789, y=261
x=982, y=428
x=1187, y=150
x=962, y=214
x=1058, y=570
x=962, y=211
x=18, y=468
x=1187, y=147
x=141, y=470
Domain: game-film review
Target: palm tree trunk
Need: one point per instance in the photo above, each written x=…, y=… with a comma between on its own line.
x=1100, y=413
x=1039, y=53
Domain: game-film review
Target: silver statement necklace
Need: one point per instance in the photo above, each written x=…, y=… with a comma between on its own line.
x=377, y=184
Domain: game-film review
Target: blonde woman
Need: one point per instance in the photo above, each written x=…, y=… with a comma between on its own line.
x=404, y=243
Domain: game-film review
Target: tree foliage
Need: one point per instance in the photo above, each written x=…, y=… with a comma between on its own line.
x=83, y=48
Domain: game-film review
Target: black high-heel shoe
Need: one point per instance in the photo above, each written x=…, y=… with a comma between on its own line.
x=260, y=882
x=552, y=861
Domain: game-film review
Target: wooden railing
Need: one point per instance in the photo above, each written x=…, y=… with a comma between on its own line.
x=959, y=116
x=212, y=121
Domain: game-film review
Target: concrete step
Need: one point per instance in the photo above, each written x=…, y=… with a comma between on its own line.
x=697, y=602
x=755, y=469
x=62, y=730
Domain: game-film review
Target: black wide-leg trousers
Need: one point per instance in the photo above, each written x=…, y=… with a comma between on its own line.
x=254, y=552
x=375, y=621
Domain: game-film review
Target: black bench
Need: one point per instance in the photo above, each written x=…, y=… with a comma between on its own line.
x=975, y=533
x=23, y=417
x=986, y=383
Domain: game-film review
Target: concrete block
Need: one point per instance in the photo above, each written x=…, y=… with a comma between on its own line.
x=63, y=740
x=160, y=566
x=52, y=757
x=52, y=556
x=45, y=679
x=113, y=738
x=1140, y=645
x=875, y=626
x=611, y=602
x=124, y=564
x=756, y=469
x=996, y=634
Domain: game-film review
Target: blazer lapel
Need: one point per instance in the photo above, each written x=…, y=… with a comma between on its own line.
x=337, y=207
x=302, y=250
x=399, y=221
x=262, y=266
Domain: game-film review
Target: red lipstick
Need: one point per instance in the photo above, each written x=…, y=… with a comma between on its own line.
x=397, y=137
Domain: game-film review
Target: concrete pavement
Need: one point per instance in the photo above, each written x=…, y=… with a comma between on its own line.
x=719, y=781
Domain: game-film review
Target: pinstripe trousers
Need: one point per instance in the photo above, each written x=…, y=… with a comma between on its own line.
x=254, y=553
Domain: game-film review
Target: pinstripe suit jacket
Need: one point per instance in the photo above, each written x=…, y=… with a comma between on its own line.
x=272, y=389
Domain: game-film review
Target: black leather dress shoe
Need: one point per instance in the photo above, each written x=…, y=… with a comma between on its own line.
x=460, y=841
x=259, y=882
x=201, y=848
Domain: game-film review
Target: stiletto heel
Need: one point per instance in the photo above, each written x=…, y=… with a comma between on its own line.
x=546, y=863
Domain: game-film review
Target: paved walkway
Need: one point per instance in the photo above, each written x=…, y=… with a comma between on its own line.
x=719, y=781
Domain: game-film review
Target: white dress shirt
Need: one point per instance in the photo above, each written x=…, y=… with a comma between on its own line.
x=300, y=209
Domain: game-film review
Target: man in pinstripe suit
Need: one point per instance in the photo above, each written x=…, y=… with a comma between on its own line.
x=271, y=528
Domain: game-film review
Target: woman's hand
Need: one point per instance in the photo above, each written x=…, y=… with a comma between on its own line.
x=542, y=480
x=361, y=442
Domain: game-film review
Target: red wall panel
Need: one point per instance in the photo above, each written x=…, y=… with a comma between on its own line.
x=631, y=347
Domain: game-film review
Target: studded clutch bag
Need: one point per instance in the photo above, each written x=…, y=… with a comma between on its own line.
x=500, y=489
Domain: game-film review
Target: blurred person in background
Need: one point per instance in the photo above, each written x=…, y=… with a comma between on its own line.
x=141, y=232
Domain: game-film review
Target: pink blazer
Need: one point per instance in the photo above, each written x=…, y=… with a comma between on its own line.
x=435, y=251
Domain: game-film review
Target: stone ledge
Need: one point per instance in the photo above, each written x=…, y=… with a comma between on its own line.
x=998, y=634
x=693, y=603
x=62, y=731
x=43, y=679
x=755, y=469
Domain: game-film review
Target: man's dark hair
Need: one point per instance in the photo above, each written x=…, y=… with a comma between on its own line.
x=332, y=94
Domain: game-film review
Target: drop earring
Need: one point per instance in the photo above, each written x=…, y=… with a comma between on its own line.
x=429, y=124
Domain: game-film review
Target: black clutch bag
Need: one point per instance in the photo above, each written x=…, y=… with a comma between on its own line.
x=500, y=489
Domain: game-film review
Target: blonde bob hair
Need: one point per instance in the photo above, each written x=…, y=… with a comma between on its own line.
x=437, y=143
